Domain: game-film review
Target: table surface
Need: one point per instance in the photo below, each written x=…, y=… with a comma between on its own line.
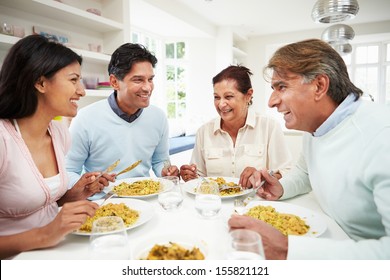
x=185, y=222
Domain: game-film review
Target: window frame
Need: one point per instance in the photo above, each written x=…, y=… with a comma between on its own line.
x=382, y=65
x=176, y=63
x=159, y=96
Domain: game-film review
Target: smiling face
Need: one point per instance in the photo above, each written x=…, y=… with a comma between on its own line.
x=61, y=92
x=305, y=106
x=231, y=104
x=134, y=91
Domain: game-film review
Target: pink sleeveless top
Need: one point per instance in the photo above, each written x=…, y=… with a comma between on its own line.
x=25, y=199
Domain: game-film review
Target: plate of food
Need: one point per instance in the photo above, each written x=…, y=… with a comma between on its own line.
x=234, y=191
x=170, y=247
x=134, y=213
x=139, y=187
x=288, y=218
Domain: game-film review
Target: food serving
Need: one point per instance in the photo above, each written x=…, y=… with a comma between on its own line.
x=138, y=188
x=128, y=215
x=285, y=223
x=174, y=251
x=227, y=193
x=233, y=187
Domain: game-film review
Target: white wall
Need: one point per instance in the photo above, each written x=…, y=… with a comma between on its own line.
x=202, y=58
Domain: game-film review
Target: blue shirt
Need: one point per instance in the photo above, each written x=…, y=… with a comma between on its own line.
x=346, y=108
x=100, y=137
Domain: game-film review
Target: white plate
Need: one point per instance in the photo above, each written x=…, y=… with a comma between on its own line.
x=314, y=220
x=166, y=185
x=191, y=185
x=144, y=208
x=142, y=248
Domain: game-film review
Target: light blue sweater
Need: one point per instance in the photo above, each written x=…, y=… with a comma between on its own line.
x=100, y=137
x=348, y=169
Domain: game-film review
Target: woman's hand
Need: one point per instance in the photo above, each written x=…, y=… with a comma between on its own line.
x=245, y=175
x=271, y=190
x=93, y=186
x=188, y=172
x=71, y=217
x=275, y=244
x=87, y=186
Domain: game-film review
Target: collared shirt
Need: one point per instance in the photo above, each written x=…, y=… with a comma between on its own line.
x=114, y=106
x=346, y=108
x=260, y=143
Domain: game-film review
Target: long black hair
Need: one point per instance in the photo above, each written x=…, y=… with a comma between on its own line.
x=27, y=61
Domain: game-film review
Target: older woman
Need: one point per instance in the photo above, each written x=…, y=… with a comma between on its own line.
x=240, y=141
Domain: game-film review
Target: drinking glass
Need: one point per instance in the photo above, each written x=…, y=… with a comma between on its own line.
x=245, y=244
x=172, y=198
x=108, y=240
x=207, y=199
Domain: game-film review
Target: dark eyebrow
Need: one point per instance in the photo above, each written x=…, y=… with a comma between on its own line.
x=78, y=76
x=142, y=77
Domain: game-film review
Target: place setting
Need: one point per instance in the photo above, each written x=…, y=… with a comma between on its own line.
x=228, y=186
x=134, y=213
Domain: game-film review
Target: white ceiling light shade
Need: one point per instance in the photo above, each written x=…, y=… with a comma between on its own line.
x=338, y=33
x=330, y=11
x=342, y=49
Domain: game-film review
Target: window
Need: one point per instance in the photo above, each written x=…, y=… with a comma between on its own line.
x=175, y=73
x=369, y=66
x=152, y=44
x=171, y=73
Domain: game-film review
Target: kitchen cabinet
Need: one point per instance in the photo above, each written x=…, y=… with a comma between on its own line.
x=239, y=53
x=92, y=36
x=230, y=47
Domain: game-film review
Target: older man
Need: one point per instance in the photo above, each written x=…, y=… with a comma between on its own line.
x=345, y=156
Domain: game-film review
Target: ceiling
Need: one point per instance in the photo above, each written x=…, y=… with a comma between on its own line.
x=201, y=18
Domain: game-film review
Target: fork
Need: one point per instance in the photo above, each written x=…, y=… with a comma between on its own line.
x=107, y=197
x=253, y=194
x=108, y=169
x=201, y=177
x=127, y=169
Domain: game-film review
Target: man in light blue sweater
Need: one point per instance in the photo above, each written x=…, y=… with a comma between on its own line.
x=124, y=126
x=345, y=156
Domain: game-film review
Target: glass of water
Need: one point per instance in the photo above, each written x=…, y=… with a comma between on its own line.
x=207, y=199
x=245, y=244
x=172, y=197
x=108, y=240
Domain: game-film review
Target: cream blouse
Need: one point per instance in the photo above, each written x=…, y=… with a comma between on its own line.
x=260, y=143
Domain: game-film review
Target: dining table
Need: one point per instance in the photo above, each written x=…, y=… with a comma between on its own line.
x=209, y=233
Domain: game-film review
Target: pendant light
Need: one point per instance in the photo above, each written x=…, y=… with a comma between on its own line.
x=338, y=33
x=330, y=11
x=342, y=49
